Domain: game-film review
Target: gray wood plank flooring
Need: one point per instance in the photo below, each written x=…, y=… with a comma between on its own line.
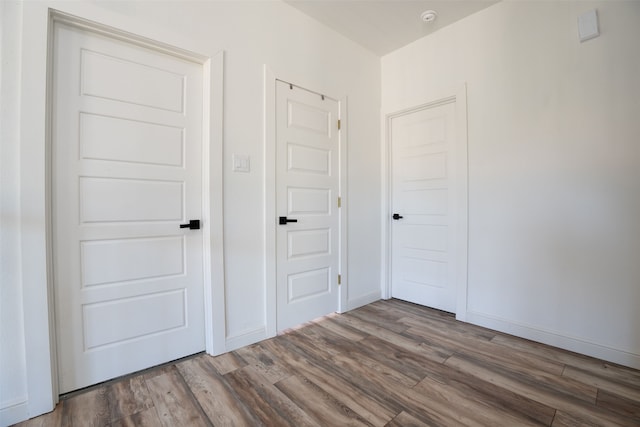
x=390, y=363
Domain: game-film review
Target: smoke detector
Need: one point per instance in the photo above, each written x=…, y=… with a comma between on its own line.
x=429, y=15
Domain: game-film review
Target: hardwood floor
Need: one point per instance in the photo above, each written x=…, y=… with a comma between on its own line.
x=390, y=363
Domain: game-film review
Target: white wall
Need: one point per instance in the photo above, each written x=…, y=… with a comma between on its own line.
x=295, y=48
x=554, y=149
x=13, y=381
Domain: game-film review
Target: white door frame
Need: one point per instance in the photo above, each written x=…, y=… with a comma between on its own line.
x=270, y=201
x=458, y=96
x=36, y=234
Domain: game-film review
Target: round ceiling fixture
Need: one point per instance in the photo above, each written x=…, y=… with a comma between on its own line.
x=429, y=15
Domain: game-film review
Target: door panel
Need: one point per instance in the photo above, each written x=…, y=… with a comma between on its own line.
x=122, y=140
x=309, y=118
x=424, y=185
x=309, y=160
x=308, y=284
x=120, y=260
x=309, y=201
x=126, y=79
x=126, y=200
x=115, y=322
x=424, y=167
x=307, y=243
x=307, y=181
x=127, y=171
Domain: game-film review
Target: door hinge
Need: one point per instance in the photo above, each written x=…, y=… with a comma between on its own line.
x=339, y=279
x=339, y=124
x=339, y=202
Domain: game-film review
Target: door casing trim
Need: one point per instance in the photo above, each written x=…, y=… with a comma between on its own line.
x=459, y=97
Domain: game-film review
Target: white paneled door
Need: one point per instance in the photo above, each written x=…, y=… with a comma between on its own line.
x=425, y=183
x=127, y=173
x=307, y=184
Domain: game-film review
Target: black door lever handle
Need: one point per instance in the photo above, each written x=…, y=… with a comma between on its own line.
x=284, y=220
x=194, y=224
x=397, y=216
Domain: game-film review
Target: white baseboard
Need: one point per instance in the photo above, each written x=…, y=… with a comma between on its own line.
x=13, y=412
x=554, y=339
x=246, y=338
x=363, y=300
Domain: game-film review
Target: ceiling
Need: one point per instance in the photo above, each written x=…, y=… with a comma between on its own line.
x=383, y=26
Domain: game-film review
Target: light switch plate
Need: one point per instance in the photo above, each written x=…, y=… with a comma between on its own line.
x=588, y=25
x=241, y=163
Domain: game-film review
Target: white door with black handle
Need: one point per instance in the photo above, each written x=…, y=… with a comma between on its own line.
x=127, y=200
x=307, y=185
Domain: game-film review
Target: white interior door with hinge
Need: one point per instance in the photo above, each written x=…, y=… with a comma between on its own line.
x=127, y=177
x=307, y=185
x=425, y=187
